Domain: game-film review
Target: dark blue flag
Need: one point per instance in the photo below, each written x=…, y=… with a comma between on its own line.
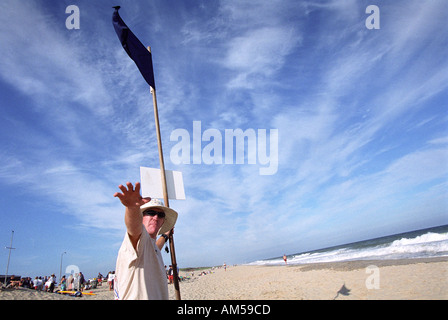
x=134, y=48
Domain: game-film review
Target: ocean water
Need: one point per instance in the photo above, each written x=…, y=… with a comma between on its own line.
x=425, y=243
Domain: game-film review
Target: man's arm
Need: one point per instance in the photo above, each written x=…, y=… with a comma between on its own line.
x=133, y=221
x=132, y=200
x=161, y=241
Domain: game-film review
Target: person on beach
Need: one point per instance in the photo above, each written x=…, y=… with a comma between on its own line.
x=36, y=283
x=51, y=281
x=13, y=283
x=140, y=272
x=63, y=283
x=40, y=284
x=110, y=280
x=100, y=279
x=284, y=258
x=70, y=282
x=82, y=281
x=170, y=275
x=76, y=282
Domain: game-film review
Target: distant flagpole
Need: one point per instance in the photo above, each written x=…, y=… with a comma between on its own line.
x=9, y=256
x=143, y=59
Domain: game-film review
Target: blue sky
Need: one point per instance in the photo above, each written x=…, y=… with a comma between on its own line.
x=361, y=117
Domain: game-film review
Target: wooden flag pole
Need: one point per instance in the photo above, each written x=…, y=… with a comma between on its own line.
x=165, y=191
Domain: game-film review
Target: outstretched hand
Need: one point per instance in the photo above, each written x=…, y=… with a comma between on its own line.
x=131, y=196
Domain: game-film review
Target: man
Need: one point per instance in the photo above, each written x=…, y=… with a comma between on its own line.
x=170, y=275
x=51, y=282
x=82, y=282
x=140, y=272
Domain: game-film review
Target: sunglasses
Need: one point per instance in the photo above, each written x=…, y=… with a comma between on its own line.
x=152, y=213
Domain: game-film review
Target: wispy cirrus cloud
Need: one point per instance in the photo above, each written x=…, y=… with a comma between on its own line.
x=59, y=71
x=77, y=118
x=258, y=54
x=328, y=140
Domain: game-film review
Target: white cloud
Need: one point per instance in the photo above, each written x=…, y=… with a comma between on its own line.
x=441, y=140
x=259, y=52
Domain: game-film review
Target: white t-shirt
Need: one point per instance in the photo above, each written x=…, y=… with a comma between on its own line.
x=140, y=273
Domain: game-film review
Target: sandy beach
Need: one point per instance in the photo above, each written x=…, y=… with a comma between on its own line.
x=101, y=293
x=360, y=280
x=398, y=279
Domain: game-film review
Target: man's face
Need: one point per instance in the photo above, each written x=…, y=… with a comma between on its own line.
x=153, y=223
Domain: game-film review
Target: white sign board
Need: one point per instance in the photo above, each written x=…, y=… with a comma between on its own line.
x=151, y=181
